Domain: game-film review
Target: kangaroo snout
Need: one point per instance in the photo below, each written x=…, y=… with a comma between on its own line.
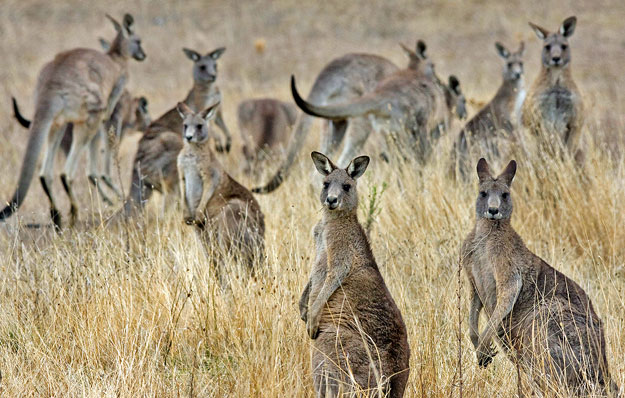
x=332, y=202
x=188, y=138
x=493, y=210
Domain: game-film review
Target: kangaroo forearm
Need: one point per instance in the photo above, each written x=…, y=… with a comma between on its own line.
x=474, y=316
x=303, y=302
x=332, y=282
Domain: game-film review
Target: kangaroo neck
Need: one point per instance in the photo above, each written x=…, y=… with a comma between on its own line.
x=485, y=228
x=199, y=94
x=506, y=96
x=556, y=76
x=339, y=216
x=115, y=52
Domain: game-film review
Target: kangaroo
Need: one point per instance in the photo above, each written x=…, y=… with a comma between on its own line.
x=80, y=86
x=343, y=79
x=554, y=107
x=498, y=118
x=360, y=339
x=264, y=125
x=214, y=202
x=540, y=317
x=154, y=167
x=408, y=106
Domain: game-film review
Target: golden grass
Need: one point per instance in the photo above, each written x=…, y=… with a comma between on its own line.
x=137, y=310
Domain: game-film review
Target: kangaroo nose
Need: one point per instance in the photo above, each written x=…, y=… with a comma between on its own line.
x=332, y=200
x=188, y=137
x=493, y=210
x=556, y=59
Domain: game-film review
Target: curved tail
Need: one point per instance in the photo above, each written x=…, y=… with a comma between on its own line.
x=18, y=115
x=38, y=133
x=301, y=130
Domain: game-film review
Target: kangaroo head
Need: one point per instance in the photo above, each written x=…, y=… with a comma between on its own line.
x=493, y=201
x=418, y=59
x=195, y=126
x=141, y=114
x=513, y=69
x=455, y=98
x=127, y=43
x=556, y=52
x=204, y=67
x=339, y=193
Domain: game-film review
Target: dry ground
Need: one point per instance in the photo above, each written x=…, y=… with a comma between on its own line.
x=137, y=311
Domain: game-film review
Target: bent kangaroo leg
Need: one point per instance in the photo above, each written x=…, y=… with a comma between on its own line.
x=334, y=136
x=357, y=135
x=219, y=121
x=83, y=134
x=47, y=169
x=93, y=167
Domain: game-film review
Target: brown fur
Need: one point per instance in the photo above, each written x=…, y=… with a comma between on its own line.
x=80, y=86
x=222, y=209
x=540, y=317
x=357, y=328
x=264, y=125
x=154, y=167
x=554, y=110
x=491, y=128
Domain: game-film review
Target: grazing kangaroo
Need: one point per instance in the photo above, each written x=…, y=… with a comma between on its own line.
x=154, y=167
x=554, y=110
x=408, y=106
x=220, y=207
x=264, y=125
x=360, y=339
x=82, y=87
x=541, y=318
x=496, y=121
x=343, y=79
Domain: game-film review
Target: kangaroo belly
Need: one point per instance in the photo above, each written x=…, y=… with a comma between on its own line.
x=557, y=108
x=193, y=188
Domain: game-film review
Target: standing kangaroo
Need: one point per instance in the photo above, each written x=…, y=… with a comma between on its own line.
x=554, y=110
x=360, y=339
x=343, y=79
x=82, y=87
x=264, y=125
x=543, y=320
x=409, y=106
x=219, y=206
x=494, y=123
x=154, y=167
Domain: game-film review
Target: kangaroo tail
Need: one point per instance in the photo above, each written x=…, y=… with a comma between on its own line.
x=18, y=115
x=38, y=132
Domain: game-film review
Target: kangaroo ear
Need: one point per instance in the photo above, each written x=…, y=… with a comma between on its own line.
x=508, y=174
x=215, y=54
x=128, y=22
x=568, y=26
x=208, y=113
x=521, y=49
x=407, y=50
x=540, y=32
x=358, y=166
x=322, y=163
x=483, y=170
x=143, y=104
x=192, y=55
x=117, y=25
x=184, y=110
x=104, y=44
x=421, y=47
x=454, y=85
x=502, y=50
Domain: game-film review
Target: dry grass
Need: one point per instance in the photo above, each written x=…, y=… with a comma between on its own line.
x=137, y=310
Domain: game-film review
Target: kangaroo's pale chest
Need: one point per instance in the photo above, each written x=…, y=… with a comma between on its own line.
x=483, y=275
x=193, y=184
x=557, y=106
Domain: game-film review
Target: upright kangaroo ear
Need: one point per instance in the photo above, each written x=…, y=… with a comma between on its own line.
x=483, y=170
x=128, y=22
x=508, y=174
x=117, y=25
x=521, y=49
x=421, y=47
x=217, y=53
x=183, y=110
x=209, y=113
x=143, y=104
x=454, y=85
x=502, y=50
x=568, y=26
x=322, y=163
x=358, y=166
x=540, y=32
x=407, y=50
x=104, y=44
x=192, y=55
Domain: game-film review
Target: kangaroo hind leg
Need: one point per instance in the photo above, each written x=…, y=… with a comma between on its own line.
x=47, y=170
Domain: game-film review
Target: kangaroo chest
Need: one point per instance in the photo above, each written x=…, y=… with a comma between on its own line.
x=482, y=272
x=557, y=105
x=193, y=185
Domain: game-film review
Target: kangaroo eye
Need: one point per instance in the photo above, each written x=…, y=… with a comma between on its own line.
x=483, y=194
x=564, y=47
x=505, y=195
x=185, y=126
x=346, y=187
x=548, y=47
x=199, y=127
x=326, y=185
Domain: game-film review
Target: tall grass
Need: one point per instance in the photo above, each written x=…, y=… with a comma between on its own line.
x=137, y=309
